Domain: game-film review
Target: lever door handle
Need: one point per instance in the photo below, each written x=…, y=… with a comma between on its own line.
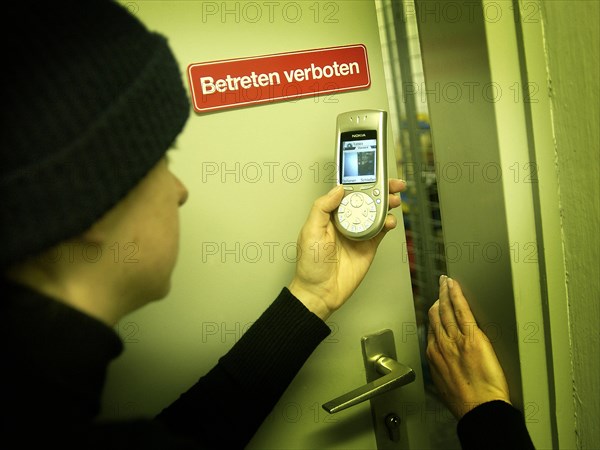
x=394, y=374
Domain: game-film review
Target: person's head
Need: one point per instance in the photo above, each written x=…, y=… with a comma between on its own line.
x=90, y=208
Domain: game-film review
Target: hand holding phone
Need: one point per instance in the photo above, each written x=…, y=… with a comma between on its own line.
x=361, y=161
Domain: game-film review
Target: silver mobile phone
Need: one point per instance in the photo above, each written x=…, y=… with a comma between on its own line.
x=361, y=161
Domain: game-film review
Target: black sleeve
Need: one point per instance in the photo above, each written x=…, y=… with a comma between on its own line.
x=226, y=406
x=494, y=425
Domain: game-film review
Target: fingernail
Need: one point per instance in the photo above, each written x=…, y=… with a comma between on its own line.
x=442, y=278
x=334, y=190
x=450, y=283
x=393, y=221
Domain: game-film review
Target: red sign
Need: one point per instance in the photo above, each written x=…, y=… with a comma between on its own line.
x=268, y=78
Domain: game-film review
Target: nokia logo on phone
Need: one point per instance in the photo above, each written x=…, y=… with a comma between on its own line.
x=359, y=135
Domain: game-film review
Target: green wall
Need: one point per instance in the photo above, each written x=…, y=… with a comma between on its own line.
x=572, y=37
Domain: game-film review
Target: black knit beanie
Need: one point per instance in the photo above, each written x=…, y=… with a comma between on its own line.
x=91, y=102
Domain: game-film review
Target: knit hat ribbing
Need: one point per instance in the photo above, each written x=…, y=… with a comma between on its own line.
x=93, y=100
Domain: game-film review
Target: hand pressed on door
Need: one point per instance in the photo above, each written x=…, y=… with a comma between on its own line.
x=464, y=366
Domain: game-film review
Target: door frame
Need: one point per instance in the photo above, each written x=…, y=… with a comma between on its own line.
x=519, y=292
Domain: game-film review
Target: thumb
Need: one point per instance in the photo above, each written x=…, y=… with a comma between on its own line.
x=320, y=214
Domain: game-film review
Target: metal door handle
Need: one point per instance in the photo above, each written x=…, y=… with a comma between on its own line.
x=394, y=374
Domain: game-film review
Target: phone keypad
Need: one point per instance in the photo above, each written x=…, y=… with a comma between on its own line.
x=357, y=212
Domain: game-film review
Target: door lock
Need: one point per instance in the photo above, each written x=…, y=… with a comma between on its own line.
x=392, y=423
x=384, y=374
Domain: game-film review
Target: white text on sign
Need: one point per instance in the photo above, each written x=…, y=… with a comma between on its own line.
x=229, y=83
x=268, y=78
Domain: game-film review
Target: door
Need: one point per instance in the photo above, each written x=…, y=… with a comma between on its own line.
x=487, y=98
x=253, y=174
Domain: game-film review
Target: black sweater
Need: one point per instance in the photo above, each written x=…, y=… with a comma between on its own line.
x=55, y=362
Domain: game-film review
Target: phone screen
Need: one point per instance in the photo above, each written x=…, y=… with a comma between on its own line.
x=358, y=157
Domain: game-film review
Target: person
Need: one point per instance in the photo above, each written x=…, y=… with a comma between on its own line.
x=468, y=376
x=95, y=100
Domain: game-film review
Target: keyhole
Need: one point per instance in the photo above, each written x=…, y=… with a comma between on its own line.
x=392, y=423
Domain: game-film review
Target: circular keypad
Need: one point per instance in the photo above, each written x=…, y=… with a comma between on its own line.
x=357, y=212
